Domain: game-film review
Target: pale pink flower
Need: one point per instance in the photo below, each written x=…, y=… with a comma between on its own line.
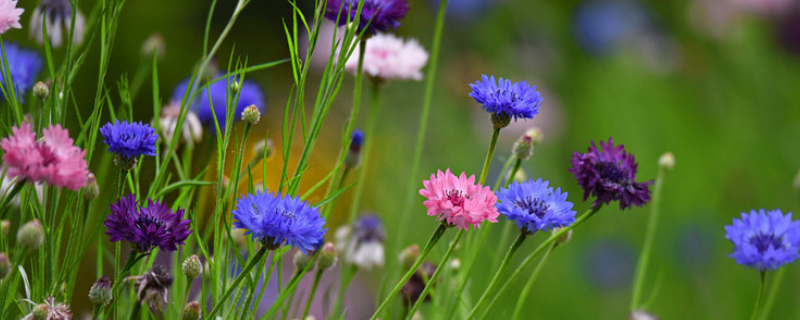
x=192, y=128
x=9, y=15
x=54, y=159
x=458, y=200
x=390, y=57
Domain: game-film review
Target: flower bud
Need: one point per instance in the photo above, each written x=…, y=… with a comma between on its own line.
x=5, y=227
x=301, y=261
x=192, y=268
x=30, y=236
x=409, y=256
x=327, y=257
x=523, y=148
x=251, y=114
x=41, y=311
x=91, y=190
x=5, y=265
x=500, y=120
x=207, y=267
x=258, y=149
x=353, y=157
x=125, y=163
x=40, y=90
x=454, y=264
x=100, y=293
x=154, y=44
x=564, y=238
x=520, y=175
x=667, y=161
x=191, y=311
x=235, y=86
x=641, y=315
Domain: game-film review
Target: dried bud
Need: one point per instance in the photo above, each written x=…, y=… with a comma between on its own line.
x=40, y=90
x=301, y=261
x=191, y=311
x=251, y=114
x=523, y=148
x=564, y=238
x=500, y=120
x=100, y=293
x=5, y=227
x=154, y=44
x=258, y=149
x=30, y=236
x=409, y=256
x=41, y=311
x=152, y=288
x=667, y=161
x=5, y=265
x=50, y=310
x=353, y=157
x=192, y=268
x=92, y=190
x=412, y=289
x=327, y=257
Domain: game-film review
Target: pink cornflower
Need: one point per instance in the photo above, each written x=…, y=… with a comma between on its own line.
x=390, y=57
x=458, y=200
x=9, y=15
x=54, y=159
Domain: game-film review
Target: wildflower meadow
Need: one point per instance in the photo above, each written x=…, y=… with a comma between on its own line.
x=399, y=159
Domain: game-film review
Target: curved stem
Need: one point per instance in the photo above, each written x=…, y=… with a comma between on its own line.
x=433, y=240
x=503, y=265
x=489, y=155
x=429, y=284
x=311, y=294
x=517, y=164
x=760, y=299
x=245, y=272
x=527, y=289
x=652, y=226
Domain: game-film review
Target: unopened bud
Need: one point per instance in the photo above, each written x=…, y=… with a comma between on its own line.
x=520, y=175
x=41, y=311
x=564, y=238
x=100, y=293
x=500, y=120
x=667, y=161
x=5, y=265
x=301, y=261
x=125, y=163
x=154, y=44
x=251, y=114
x=327, y=257
x=353, y=157
x=454, y=264
x=235, y=86
x=409, y=256
x=207, y=267
x=92, y=190
x=191, y=311
x=258, y=149
x=192, y=268
x=30, y=236
x=40, y=90
x=523, y=147
x=5, y=227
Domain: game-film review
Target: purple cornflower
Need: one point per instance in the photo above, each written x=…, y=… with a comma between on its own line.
x=609, y=174
x=506, y=100
x=534, y=206
x=357, y=140
x=146, y=228
x=249, y=93
x=130, y=140
x=764, y=240
x=23, y=66
x=275, y=219
x=376, y=15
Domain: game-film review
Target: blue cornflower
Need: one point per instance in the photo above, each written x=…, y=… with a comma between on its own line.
x=23, y=65
x=274, y=219
x=130, y=140
x=764, y=240
x=376, y=15
x=249, y=94
x=506, y=100
x=534, y=206
x=357, y=140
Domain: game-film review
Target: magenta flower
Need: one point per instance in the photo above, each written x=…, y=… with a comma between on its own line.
x=54, y=159
x=458, y=200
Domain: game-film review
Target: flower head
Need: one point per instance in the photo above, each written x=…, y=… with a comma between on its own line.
x=249, y=93
x=362, y=244
x=192, y=130
x=506, y=99
x=376, y=15
x=764, y=240
x=390, y=57
x=130, y=140
x=54, y=159
x=458, y=200
x=609, y=174
x=9, y=15
x=275, y=219
x=23, y=65
x=534, y=206
x=146, y=228
x=50, y=310
x=59, y=16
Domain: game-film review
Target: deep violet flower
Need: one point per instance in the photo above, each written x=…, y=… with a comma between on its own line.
x=458, y=201
x=147, y=227
x=534, y=206
x=764, y=240
x=376, y=15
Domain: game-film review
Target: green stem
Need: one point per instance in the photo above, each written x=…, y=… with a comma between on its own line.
x=365, y=150
x=347, y=276
x=503, y=265
x=529, y=285
x=760, y=299
x=245, y=272
x=311, y=294
x=517, y=164
x=96, y=312
x=489, y=154
x=133, y=257
x=10, y=196
x=430, y=283
x=773, y=293
x=652, y=226
x=137, y=307
x=433, y=240
x=499, y=179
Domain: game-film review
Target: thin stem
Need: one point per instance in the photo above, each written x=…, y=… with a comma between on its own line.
x=372, y=116
x=760, y=299
x=245, y=272
x=433, y=240
x=133, y=257
x=137, y=307
x=347, y=276
x=429, y=284
x=489, y=155
x=503, y=265
x=529, y=285
x=9, y=196
x=652, y=226
x=311, y=294
x=773, y=293
x=517, y=164
x=499, y=179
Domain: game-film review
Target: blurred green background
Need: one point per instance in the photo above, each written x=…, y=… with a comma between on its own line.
x=714, y=82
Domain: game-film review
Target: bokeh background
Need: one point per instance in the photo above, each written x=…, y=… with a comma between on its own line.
x=713, y=81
